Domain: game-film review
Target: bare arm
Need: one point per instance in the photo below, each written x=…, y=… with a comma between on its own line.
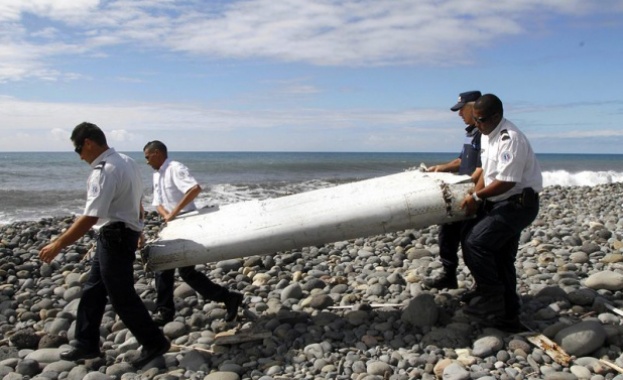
x=141, y=217
x=75, y=232
x=476, y=177
x=189, y=196
x=496, y=187
x=452, y=166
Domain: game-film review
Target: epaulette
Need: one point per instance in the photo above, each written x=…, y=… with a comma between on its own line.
x=505, y=135
x=100, y=165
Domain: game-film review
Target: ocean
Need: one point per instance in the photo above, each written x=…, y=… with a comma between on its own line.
x=35, y=185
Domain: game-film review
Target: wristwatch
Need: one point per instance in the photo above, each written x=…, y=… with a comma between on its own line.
x=475, y=197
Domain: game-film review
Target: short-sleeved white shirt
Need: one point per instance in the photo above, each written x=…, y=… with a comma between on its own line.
x=171, y=182
x=115, y=190
x=507, y=156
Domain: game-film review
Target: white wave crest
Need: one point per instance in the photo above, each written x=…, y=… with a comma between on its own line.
x=583, y=178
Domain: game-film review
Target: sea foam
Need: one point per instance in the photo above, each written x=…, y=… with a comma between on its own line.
x=582, y=178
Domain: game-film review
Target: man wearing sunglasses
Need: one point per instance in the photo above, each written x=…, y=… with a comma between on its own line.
x=113, y=207
x=466, y=163
x=506, y=201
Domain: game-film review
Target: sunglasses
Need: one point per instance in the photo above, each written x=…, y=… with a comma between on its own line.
x=78, y=148
x=480, y=120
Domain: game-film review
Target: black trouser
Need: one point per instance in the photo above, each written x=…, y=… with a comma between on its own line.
x=490, y=244
x=165, y=283
x=449, y=239
x=112, y=276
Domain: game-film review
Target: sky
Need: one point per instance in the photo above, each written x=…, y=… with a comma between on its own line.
x=308, y=75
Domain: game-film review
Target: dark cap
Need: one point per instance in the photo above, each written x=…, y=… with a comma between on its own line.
x=466, y=97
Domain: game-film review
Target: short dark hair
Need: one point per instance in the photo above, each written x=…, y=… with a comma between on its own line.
x=89, y=131
x=489, y=104
x=156, y=145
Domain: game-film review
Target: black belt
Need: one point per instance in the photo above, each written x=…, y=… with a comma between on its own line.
x=526, y=195
x=514, y=198
x=114, y=226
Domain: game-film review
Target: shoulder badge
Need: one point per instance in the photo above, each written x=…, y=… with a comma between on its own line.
x=506, y=156
x=93, y=184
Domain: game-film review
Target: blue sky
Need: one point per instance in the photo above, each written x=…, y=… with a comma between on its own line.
x=308, y=75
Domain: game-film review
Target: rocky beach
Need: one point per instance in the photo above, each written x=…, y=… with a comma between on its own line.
x=354, y=309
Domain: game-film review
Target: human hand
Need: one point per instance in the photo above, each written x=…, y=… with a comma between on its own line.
x=141, y=241
x=49, y=252
x=469, y=204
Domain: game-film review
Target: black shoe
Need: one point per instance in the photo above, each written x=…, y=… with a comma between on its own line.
x=149, y=354
x=233, y=302
x=468, y=296
x=511, y=325
x=445, y=281
x=161, y=318
x=486, y=307
x=79, y=353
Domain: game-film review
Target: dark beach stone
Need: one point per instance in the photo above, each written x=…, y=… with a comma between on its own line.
x=26, y=338
x=52, y=341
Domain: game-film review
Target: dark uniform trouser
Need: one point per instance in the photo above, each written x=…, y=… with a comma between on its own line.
x=112, y=275
x=165, y=283
x=449, y=239
x=490, y=244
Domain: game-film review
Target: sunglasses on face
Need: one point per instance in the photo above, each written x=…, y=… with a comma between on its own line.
x=484, y=119
x=78, y=149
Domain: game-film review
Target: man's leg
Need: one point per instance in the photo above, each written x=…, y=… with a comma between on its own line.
x=89, y=316
x=211, y=291
x=165, y=305
x=490, y=248
x=449, y=238
x=116, y=261
x=508, y=276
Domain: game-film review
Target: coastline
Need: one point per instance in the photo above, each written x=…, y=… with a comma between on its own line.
x=41, y=185
x=313, y=305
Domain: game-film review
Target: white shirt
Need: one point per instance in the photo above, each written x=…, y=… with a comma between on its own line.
x=114, y=190
x=507, y=156
x=171, y=182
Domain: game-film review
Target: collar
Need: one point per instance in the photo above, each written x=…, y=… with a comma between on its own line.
x=497, y=129
x=470, y=128
x=101, y=157
x=164, y=166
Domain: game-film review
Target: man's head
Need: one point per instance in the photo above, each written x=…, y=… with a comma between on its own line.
x=89, y=141
x=464, y=105
x=488, y=112
x=155, y=154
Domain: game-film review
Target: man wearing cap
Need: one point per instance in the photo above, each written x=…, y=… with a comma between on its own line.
x=466, y=163
x=506, y=201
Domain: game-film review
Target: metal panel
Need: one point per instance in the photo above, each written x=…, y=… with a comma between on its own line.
x=411, y=199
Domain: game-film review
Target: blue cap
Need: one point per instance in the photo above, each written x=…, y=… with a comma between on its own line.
x=466, y=97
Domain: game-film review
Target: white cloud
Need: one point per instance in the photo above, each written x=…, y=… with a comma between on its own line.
x=60, y=134
x=580, y=134
x=130, y=125
x=320, y=32
x=300, y=89
x=55, y=9
x=121, y=135
x=43, y=126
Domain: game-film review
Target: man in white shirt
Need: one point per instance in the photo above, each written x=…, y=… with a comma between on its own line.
x=174, y=193
x=506, y=201
x=114, y=192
